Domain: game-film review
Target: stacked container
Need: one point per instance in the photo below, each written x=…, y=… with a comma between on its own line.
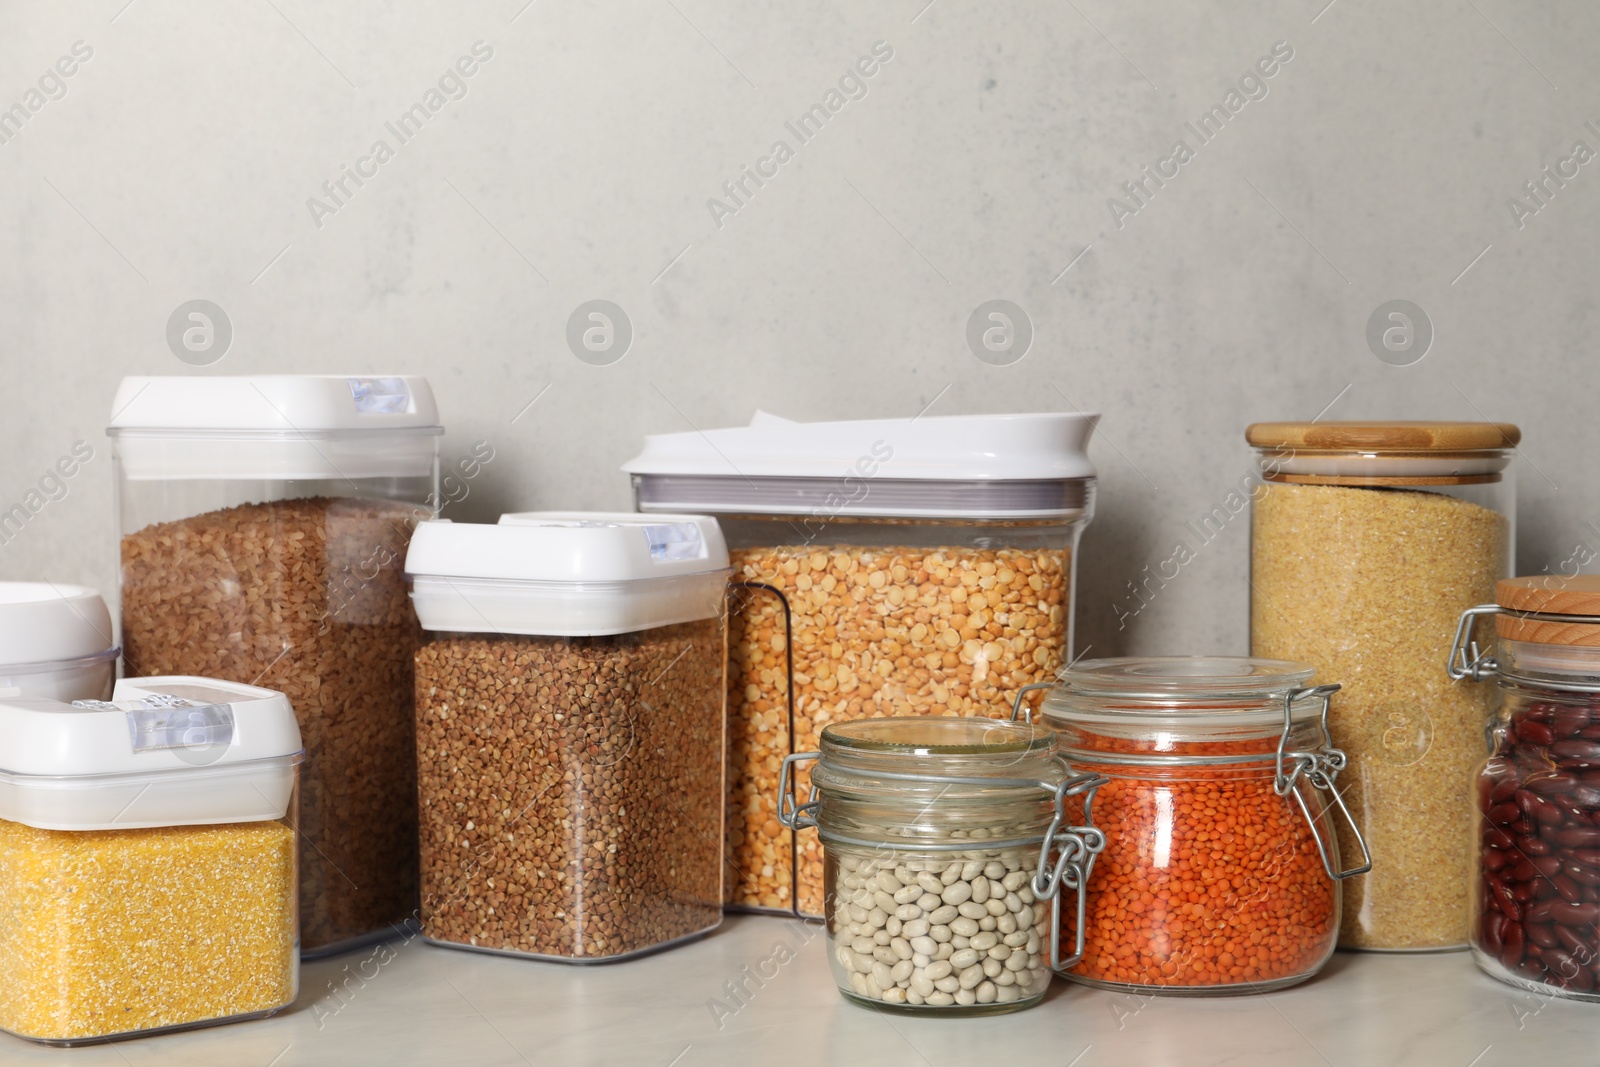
x=881, y=568
x=264, y=525
x=55, y=641
x=147, y=860
x=570, y=732
x=1367, y=542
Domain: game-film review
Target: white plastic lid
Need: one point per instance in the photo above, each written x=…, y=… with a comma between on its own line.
x=978, y=466
x=44, y=623
x=567, y=573
x=275, y=427
x=170, y=751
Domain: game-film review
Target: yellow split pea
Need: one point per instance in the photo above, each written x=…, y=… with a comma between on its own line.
x=106, y=932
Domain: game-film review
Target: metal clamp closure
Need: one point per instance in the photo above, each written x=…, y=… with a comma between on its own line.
x=1466, y=661
x=802, y=816
x=1076, y=847
x=1320, y=768
x=1017, y=706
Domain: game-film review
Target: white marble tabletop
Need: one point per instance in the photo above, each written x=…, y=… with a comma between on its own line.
x=411, y=1002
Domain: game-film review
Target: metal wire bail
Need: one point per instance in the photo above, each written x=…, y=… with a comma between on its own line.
x=1016, y=703
x=802, y=816
x=1320, y=768
x=1466, y=660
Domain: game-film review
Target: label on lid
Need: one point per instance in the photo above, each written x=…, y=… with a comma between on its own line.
x=168, y=722
x=380, y=396
x=671, y=541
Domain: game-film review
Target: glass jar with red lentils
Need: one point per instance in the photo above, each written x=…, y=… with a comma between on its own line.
x=1537, y=799
x=1221, y=871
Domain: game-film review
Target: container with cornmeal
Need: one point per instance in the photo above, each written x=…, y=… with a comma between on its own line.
x=570, y=732
x=147, y=860
x=890, y=567
x=1368, y=540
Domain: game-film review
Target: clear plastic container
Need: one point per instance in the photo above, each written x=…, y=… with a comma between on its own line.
x=1367, y=542
x=264, y=527
x=881, y=568
x=1536, y=891
x=148, y=887
x=55, y=641
x=946, y=857
x=570, y=732
x=1221, y=869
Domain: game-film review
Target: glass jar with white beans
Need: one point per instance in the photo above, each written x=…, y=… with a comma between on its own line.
x=945, y=856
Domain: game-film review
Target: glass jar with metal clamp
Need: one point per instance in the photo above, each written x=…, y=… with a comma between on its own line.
x=1221, y=873
x=1536, y=899
x=946, y=849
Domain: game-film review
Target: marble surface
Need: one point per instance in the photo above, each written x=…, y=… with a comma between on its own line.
x=412, y=1002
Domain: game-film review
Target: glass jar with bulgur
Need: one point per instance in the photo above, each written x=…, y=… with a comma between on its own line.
x=1536, y=899
x=947, y=853
x=881, y=568
x=147, y=860
x=571, y=732
x=264, y=525
x=1368, y=539
x=1221, y=872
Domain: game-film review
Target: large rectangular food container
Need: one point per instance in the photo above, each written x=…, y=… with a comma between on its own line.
x=264, y=527
x=55, y=641
x=888, y=567
x=570, y=732
x=147, y=860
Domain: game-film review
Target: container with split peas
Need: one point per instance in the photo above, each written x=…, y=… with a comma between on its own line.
x=949, y=860
x=147, y=860
x=1221, y=872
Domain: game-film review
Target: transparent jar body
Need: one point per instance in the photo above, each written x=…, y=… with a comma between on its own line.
x=1217, y=877
x=1337, y=582
x=1536, y=888
x=932, y=901
x=873, y=617
x=530, y=750
x=108, y=934
x=297, y=584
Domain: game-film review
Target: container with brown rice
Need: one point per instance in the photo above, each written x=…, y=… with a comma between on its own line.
x=570, y=732
x=1368, y=540
x=881, y=568
x=264, y=527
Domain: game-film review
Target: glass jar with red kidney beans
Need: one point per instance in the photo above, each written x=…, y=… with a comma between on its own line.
x=1536, y=920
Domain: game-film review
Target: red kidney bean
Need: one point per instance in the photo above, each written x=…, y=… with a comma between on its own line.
x=1582, y=875
x=1503, y=791
x=1523, y=892
x=1577, y=755
x=1583, y=798
x=1551, y=785
x=1592, y=733
x=1523, y=825
x=1573, y=942
x=1561, y=964
x=1542, y=809
x=1589, y=857
x=1545, y=889
x=1585, y=914
x=1490, y=926
x=1494, y=837
x=1568, y=721
x=1582, y=981
x=1578, y=836
x=1495, y=858
x=1522, y=871
x=1537, y=732
x=1532, y=846
x=1512, y=946
x=1531, y=969
x=1505, y=814
x=1567, y=888
x=1547, y=866
x=1541, y=912
x=1541, y=935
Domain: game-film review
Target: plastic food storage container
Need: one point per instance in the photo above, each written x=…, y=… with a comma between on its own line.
x=571, y=728
x=1537, y=800
x=55, y=641
x=887, y=567
x=1367, y=542
x=264, y=528
x=1221, y=869
x=946, y=850
x=147, y=860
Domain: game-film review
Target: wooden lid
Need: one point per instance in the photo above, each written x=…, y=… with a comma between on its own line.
x=1552, y=594
x=1384, y=436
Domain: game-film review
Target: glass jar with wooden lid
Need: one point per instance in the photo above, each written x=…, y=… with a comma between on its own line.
x=1537, y=805
x=1368, y=540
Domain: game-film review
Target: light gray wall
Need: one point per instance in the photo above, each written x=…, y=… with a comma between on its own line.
x=979, y=165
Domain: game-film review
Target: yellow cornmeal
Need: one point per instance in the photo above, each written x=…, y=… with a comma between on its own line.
x=103, y=932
